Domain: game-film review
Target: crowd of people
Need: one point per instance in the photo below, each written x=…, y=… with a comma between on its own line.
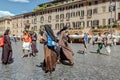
x=55, y=51
x=102, y=41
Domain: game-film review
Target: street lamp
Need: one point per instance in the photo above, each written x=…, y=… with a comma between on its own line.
x=111, y=9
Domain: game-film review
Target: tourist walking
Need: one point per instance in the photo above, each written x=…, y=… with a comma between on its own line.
x=26, y=43
x=50, y=57
x=66, y=51
x=115, y=41
x=99, y=42
x=7, y=49
x=33, y=45
x=86, y=39
x=107, y=43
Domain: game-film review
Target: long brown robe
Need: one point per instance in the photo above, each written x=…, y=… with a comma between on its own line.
x=34, y=47
x=49, y=56
x=67, y=53
x=6, y=51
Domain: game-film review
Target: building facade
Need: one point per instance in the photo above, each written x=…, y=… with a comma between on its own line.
x=5, y=22
x=80, y=16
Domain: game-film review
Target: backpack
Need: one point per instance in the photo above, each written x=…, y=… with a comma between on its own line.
x=50, y=42
x=2, y=41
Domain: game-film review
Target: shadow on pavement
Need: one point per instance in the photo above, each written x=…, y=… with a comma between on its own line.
x=80, y=52
x=97, y=53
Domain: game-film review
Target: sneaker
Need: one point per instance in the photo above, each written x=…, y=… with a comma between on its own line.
x=85, y=53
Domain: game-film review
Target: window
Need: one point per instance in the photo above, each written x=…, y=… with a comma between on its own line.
x=67, y=16
x=103, y=1
x=61, y=16
x=96, y=22
x=57, y=17
x=73, y=14
x=89, y=3
x=42, y=19
x=73, y=24
x=81, y=5
x=68, y=24
x=73, y=6
x=103, y=8
x=82, y=13
x=89, y=23
x=57, y=26
x=89, y=13
x=95, y=11
x=49, y=18
x=78, y=5
x=78, y=13
x=96, y=2
x=35, y=21
x=111, y=20
x=82, y=24
x=77, y=25
x=118, y=16
x=67, y=7
x=61, y=25
x=104, y=21
x=61, y=9
x=35, y=28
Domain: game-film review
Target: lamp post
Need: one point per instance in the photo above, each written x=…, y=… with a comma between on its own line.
x=111, y=9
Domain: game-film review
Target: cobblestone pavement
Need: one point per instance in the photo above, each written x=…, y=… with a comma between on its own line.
x=92, y=66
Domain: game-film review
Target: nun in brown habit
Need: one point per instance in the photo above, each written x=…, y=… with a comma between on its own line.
x=6, y=49
x=50, y=57
x=66, y=51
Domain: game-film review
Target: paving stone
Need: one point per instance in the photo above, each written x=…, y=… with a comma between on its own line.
x=92, y=66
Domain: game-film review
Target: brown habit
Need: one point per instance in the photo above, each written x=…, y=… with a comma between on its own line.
x=49, y=56
x=7, y=50
x=66, y=49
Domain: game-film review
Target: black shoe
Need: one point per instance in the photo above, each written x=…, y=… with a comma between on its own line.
x=98, y=51
x=53, y=69
x=46, y=71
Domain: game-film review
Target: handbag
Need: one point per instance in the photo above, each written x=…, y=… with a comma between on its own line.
x=57, y=50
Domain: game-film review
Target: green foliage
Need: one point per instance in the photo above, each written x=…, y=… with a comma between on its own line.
x=41, y=7
x=58, y=3
x=114, y=25
x=45, y=6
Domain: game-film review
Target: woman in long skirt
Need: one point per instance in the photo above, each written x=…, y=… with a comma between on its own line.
x=50, y=57
x=34, y=47
x=6, y=49
x=66, y=51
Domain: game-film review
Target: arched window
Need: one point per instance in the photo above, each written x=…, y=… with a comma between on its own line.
x=61, y=16
x=49, y=18
x=67, y=16
x=57, y=17
x=57, y=26
x=41, y=19
x=61, y=25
